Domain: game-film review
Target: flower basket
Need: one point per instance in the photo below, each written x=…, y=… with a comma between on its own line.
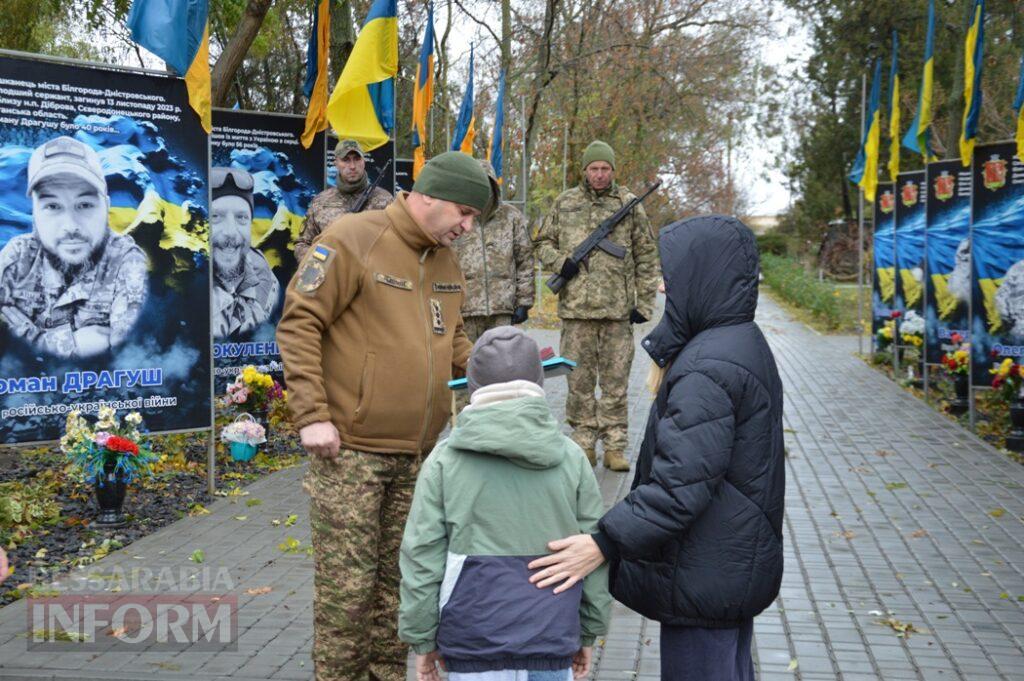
x=243, y=436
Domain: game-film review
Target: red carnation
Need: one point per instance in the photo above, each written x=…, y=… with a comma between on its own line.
x=956, y=338
x=121, y=444
x=896, y=314
x=997, y=381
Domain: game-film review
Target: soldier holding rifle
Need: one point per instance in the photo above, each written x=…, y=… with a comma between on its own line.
x=600, y=297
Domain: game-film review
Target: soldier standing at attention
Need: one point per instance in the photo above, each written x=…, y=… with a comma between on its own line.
x=370, y=334
x=598, y=306
x=334, y=202
x=497, y=262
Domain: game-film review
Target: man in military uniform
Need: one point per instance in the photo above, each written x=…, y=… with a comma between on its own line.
x=598, y=306
x=334, y=202
x=72, y=287
x=245, y=290
x=497, y=262
x=370, y=335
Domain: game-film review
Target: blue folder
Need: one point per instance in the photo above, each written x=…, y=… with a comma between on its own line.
x=556, y=366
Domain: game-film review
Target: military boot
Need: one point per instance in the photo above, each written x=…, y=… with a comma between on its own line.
x=615, y=461
x=591, y=455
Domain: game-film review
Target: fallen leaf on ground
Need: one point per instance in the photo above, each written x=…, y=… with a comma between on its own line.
x=883, y=452
x=997, y=512
x=197, y=556
x=198, y=509
x=917, y=534
x=793, y=664
x=259, y=591
x=848, y=534
x=241, y=517
x=291, y=520
x=902, y=629
x=253, y=502
x=896, y=485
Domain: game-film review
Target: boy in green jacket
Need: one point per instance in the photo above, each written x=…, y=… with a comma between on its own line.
x=487, y=501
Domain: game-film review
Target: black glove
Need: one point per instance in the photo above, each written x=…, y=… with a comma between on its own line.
x=636, y=318
x=520, y=314
x=569, y=269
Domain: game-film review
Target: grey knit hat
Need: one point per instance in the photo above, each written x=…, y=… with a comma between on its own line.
x=502, y=354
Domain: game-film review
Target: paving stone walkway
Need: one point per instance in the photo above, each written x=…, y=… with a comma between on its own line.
x=893, y=513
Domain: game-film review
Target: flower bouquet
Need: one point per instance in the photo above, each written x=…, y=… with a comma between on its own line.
x=957, y=361
x=109, y=454
x=1008, y=379
x=254, y=392
x=243, y=436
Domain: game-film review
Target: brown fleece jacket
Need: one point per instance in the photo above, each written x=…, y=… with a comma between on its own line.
x=371, y=332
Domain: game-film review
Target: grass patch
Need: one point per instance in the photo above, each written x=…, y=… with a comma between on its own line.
x=823, y=305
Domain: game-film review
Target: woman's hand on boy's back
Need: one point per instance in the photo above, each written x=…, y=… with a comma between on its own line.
x=572, y=559
x=426, y=666
x=581, y=662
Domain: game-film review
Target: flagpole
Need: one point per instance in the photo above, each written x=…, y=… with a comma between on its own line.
x=860, y=233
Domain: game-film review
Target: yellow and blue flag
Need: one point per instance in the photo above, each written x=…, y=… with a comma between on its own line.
x=315, y=87
x=1018, y=108
x=465, y=124
x=362, y=106
x=894, y=111
x=919, y=135
x=974, y=49
x=423, y=95
x=178, y=32
x=494, y=151
x=865, y=167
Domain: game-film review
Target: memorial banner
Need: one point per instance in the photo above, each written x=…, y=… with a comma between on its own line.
x=104, y=238
x=262, y=181
x=948, y=262
x=910, y=224
x=997, y=254
x=883, y=249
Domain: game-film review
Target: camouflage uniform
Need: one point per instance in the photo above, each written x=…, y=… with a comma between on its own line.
x=595, y=307
x=357, y=497
x=328, y=206
x=38, y=305
x=239, y=307
x=497, y=261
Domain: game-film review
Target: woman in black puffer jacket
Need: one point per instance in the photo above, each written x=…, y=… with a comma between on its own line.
x=697, y=543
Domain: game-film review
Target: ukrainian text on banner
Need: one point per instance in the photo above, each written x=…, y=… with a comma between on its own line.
x=104, y=270
x=375, y=162
x=261, y=185
x=910, y=215
x=997, y=254
x=883, y=293
x=403, y=174
x=948, y=265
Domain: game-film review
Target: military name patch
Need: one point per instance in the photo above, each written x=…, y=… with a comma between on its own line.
x=388, y=280
x=313, y=272
x=435, y=312
x=447, y=287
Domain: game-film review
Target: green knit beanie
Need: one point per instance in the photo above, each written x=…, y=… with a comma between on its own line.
x=456, y=177
x=598, y=151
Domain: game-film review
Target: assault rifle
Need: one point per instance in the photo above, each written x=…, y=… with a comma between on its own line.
x=361, y=203
x=598, y=239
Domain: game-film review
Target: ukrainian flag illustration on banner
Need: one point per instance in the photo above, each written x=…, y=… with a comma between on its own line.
x=178, y=32
x=910, y=225
x=362, y=106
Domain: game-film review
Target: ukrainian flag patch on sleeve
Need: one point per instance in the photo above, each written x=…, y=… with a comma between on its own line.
x=321, y=253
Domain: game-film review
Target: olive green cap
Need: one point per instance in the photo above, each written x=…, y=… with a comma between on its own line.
x=344, y=147
x=598, y=151
x=456, y=177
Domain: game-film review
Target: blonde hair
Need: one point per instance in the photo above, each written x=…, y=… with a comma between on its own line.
x=654, y=377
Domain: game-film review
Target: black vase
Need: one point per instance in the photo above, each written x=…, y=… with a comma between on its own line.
x=110, y=487
x=960, y=404
x=1015, y=440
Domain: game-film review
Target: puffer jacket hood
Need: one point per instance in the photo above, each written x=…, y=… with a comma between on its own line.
x=522, y=430
x=711, y=269
x=698, y=540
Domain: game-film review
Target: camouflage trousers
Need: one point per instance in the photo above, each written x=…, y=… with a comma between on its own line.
x=359, y=503
x=475, y=327
x=603, y=352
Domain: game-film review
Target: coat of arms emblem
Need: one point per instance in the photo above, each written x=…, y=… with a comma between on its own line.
x=994, y=173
